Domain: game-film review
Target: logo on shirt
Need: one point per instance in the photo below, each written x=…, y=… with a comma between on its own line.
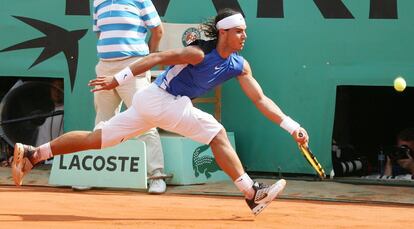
x=217, y=69
x=191, y=34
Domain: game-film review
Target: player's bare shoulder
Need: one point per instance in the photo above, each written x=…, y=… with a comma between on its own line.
x=193, y=54
x=200, y=48
x=247, y=71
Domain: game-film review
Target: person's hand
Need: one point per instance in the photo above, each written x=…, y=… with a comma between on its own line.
x=406, y=163
x=301, y=136
x=388, y=160
x=388, y=166
x=103, y=83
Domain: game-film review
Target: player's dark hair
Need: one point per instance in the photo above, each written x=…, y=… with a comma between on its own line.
x=209, y=27
x=406, y=134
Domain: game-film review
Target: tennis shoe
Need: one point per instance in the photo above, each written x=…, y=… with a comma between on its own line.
x=21, y=164
x=264, y=195
x=157, y=186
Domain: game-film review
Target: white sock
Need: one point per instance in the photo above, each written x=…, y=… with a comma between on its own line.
x=245, y=184
x=44, y=152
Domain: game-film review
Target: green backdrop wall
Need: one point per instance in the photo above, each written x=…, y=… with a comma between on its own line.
x=299, y=55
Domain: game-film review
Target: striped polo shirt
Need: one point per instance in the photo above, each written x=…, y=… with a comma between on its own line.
x=123, y=26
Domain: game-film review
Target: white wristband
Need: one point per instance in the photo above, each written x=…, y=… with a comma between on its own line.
x=289, y=125
x=124, y=75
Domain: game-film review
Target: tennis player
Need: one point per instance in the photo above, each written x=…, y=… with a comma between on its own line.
x=166, y=103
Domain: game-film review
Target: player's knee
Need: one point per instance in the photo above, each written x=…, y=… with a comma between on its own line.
x=220, y=138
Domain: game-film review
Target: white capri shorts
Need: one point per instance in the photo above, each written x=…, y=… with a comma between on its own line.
x=154, y=107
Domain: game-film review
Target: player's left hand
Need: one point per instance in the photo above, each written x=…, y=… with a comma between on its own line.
x=103, y=83
x=301, y=136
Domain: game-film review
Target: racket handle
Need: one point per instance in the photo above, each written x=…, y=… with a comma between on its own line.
x=300, y=134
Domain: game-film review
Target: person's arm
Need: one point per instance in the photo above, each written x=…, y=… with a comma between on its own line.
x=188, y=55
x=388, y=167
x=155, y=38
x=264, y=104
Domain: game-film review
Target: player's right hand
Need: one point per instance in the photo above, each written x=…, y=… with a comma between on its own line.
x=301, y=136
x=103, y=83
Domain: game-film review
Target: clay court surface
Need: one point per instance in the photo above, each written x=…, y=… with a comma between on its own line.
x=50, y=207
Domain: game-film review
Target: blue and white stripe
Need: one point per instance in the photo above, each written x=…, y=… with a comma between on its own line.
x=163, y=81
x=123, y=26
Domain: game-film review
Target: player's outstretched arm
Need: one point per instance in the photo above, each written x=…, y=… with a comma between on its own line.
x=267, y=106
x=253, y=90
x=188, y=55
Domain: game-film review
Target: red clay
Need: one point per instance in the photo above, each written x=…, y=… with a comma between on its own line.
x=46, y=207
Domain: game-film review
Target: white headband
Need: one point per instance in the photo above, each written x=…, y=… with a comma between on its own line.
x=231, y=22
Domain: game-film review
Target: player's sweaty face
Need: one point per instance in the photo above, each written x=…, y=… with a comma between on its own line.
x=236, y=37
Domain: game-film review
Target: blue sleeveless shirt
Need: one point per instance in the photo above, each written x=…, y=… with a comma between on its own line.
x=195, y=80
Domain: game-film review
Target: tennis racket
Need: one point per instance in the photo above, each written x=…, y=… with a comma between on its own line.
x=307, y=153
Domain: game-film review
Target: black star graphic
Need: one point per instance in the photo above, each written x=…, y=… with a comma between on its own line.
x=56, y=40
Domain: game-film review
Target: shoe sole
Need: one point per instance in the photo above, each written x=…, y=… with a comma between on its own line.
x=155, y=193
x=81, y=188
x=18, y=155
x=259, y=208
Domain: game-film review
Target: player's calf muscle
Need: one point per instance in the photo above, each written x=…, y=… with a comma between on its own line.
x=76, y=141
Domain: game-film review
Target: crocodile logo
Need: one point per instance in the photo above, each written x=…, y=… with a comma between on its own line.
x=204, y=164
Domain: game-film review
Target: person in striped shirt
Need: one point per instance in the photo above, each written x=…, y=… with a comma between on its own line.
x=122, y=27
